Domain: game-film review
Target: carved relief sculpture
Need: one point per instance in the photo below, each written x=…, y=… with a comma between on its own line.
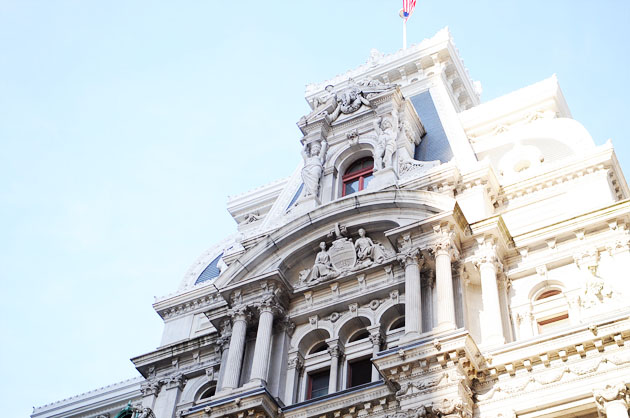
x=342, y=257
x=322, y=269
x=314, y=155
x=367, y=251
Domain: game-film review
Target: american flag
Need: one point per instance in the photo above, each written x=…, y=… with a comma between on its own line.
x=408, y=6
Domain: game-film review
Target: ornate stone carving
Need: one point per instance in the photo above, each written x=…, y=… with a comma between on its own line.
x=144, y=413
x=430, y=382
x=596, y=290
x=444, y=242
x=252, y=217
x=314, y=154
x=151, y=388
x=335, y=351
x=407, y=252
x=296, y=362
x=368, y=251
x=487, y=254
x=322, y=268
x=269, y=299
x=240, y=313
x=177, y=381
x=343, y=257
x=611, y=392
x=386, y=133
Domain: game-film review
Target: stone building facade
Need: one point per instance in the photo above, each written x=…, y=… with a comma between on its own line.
x=432, y=257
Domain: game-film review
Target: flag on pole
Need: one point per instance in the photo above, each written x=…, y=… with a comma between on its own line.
x=408, y=6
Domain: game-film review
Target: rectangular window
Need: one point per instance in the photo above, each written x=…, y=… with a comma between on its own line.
x=317, y=384
x=359, y=372
x=553, y=323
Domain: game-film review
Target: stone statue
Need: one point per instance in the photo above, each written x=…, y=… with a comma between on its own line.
x=368, y=252
x=314, y=155
x=386, y=133
x=323, y=268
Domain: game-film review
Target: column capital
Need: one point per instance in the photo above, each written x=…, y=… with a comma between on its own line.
x=296, y=361
x=269, y=300
x=177, y=381
x=376, y=335
x=486, y=254
x=444, y=242
x=453, y=407
x=410, y=256
x=334, y=348
x=240, y=313
x=270, y=305
x=610, y=393
x=151, y=387
x=407, y=252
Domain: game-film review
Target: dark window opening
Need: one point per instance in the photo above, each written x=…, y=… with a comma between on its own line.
x=318, y=348
x=359, y=372
x=317, y=384
x=208, y=393
x=397, y=324
x=359, y=335
x=357, y=176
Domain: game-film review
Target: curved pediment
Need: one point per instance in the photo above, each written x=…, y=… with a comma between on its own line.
x=286, y=250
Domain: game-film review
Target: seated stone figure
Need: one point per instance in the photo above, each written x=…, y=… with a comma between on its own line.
x=368, y=252
x=322, y=269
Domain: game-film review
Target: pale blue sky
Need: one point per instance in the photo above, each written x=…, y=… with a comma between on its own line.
x=124, y=126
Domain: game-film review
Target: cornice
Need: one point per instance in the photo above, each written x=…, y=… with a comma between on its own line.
x=194, y=300
x=568, y=227
x=600, y=158
x=482, y=120
x=167, y=352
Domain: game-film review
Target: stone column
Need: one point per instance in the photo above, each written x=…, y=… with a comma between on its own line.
x=488, y=264
x=335, y=352
x=376, y=338
x=223, y=342
x=240, y=316
x=412, y=261
x=295, y=366
x=613, y=400
x=262, y=349
x=444, y=250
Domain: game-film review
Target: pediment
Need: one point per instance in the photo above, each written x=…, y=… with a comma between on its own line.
x=292, y=249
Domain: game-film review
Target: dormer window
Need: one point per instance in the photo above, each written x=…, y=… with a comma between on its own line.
x=357, y=176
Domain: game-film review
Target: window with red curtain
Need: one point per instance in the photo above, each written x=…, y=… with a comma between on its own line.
x=357, y=176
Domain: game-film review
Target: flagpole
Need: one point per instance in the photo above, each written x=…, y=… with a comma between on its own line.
x=404, y=33
x=402, y=16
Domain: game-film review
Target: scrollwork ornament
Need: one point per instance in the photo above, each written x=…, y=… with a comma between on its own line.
x=610, y=393
x=449, y=407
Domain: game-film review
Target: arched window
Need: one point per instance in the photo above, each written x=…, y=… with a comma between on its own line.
x=397, y=324
x=357, y=176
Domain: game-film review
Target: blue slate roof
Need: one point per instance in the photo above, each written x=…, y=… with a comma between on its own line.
x=295, y=197
x=210, y=272
x=434, y=145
